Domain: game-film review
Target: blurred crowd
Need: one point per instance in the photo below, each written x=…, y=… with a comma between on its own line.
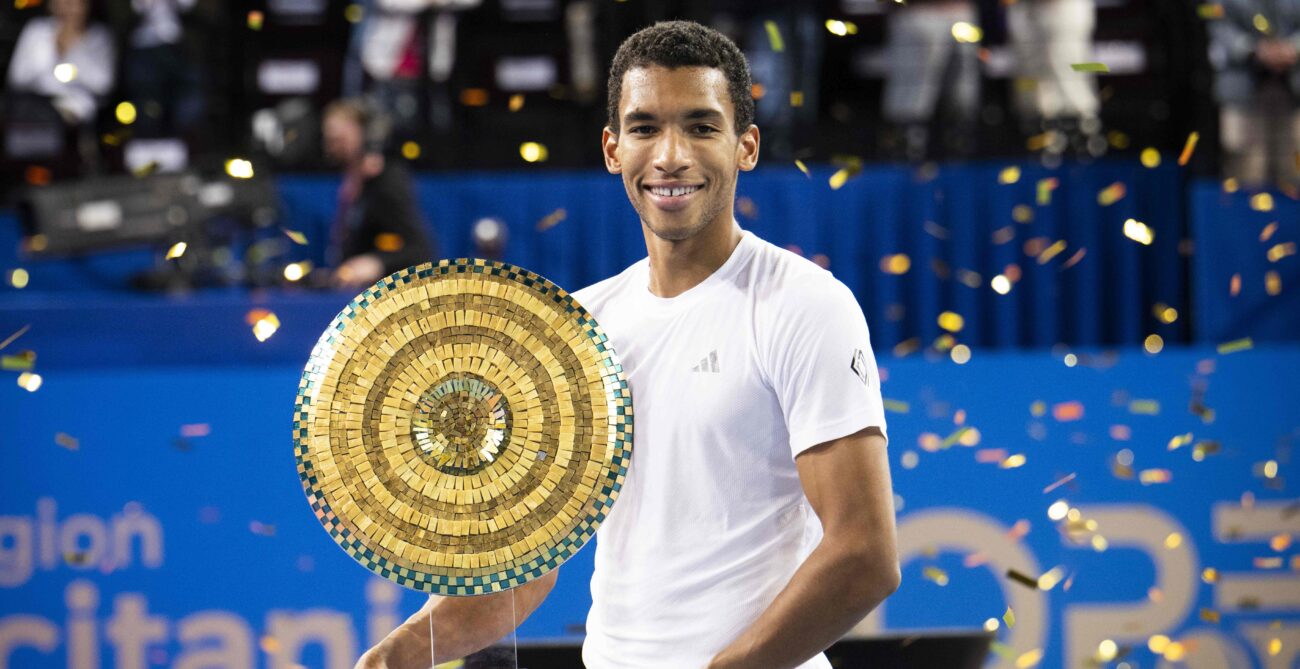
x=88, y=76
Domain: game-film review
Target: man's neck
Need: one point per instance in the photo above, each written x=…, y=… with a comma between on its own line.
x=678, y=266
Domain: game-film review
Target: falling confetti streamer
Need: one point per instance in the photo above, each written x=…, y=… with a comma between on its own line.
x=1188, y=148
x=1074, y=259
x=1267, y=233
x=552, y=219
x=1089, y=67
x=1144, y=407
x=1111, y=194
x=1059, y=483
x=177, y=250
x=1244, y=344
x=896, y=406
x=1280, y=251
x=1045, y=188
x=1065, y=412
x=1179, y=441
x=774, y=36
x=1051, y=252
x=67, y=441
x=1012, y=462
x=939, y=576
x=297, y=237
x=14, y=337
x=803, y=168
x=1155, y=476
x=1009, y=175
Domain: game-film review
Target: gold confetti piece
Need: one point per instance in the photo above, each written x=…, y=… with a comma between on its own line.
x=757, y=91
x=896, y=406
x=1111, y=194
x=1267, y=233
x=841, y=176
x=796, y=98
x=1269, y=469
x=1210, y=575
x=67, y=441
x=1262, y=202
x=474, y=97
x=176, y=251
x=1030, y=659
x=774, y=36
x=907, y=346
x=951, y=321
x=22, y=361
x=1280, y=251
x=1209, y=11
x=1244, y=344
x=1175, y=651
x=1280, y=542
x=1017, y=460
x=1065, y=412
x=1107, y=650
x=1051, y=252
x=1272, y=283
x=803, y=168
x=552, y=219
x=353, y=13
x=516, y=102
x=1089, y=67
x=1139, y=232
x=935, y=574
x=264, y=323
x=896, y=264
x=1038, y=408
x=255, y=20
x=295, y=271
x=1022, y=213
x=1144, y=407
x=1009, y=618
x=19, y=278
x=954, y=438
x=967, y=33
x=77, y=558
x=297, y=237
x=1179, y=441
x=1045, y=188
x=1210, y=616
x=1204, y=449
x=410, y=150
x=1188, y=147
x=1060, y=482
x=1009, y=175
x=30, y=381
x=1261, y=23
x=841, y=28
x=935, y=230
x=1150, y=158
x=14, y=337
x=1274, y=647
x=269, y=645
x=1234, y=285
x=1050, y=578
x=533, y=152
x=1155, y=476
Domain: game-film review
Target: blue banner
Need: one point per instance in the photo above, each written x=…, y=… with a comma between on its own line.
x=153, y=517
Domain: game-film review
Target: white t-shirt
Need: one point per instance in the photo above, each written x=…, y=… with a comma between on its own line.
x=730, y=380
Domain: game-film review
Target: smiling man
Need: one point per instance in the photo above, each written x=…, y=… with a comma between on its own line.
x=756, y=524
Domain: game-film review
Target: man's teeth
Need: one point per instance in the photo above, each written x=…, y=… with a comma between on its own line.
x=673, y=192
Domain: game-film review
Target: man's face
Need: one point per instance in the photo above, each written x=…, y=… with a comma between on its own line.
x=343, y=139
x=70, y=11
x=677, y=148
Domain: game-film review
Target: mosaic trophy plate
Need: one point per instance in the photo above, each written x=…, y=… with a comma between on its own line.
x=462, y=428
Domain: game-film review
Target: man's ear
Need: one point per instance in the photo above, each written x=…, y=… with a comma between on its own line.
x=747, y=149
x=609, y=147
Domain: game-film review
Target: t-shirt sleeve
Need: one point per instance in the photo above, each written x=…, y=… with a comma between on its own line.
x=821, y=365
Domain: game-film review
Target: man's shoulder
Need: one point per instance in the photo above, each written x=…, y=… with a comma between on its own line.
x=597, y=294
x=786, y=280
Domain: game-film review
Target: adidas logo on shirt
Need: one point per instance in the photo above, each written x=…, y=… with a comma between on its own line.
x=708, y=364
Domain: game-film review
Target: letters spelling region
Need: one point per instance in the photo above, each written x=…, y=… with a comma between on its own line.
x=133, y=636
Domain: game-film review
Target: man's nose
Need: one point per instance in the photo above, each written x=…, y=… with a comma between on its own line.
x=672, y=152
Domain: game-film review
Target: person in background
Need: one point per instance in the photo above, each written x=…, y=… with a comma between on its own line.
x=1253, y=49
x=927, y=66
x=1048, y=38
x=161, y=79
x=378, y=229
x=65, y=58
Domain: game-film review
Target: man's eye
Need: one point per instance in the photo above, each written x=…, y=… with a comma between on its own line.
x=641, y=130
x=705, y=129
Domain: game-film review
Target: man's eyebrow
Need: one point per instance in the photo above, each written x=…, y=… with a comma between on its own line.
x=703, y=113
x=634, y=116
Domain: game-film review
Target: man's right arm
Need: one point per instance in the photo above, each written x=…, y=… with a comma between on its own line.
x=461, y=625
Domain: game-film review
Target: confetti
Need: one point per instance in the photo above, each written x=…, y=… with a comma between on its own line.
x=1150, y=158
x=939, y=232
x=1004, y=234
x=1179, y=441
x=410, y=150
x=1045, y=188
x=1030, y=659
x=967, y=33
x=1274, y=647
x=1022, y=213
x=1050, y=578
x=533, y=152
x=1234, y=285
x=1051, y=252
x=474, y=97
x=1267, y=562
x=990, y=455
x=255, y=20
x=30, y=381
x=1065, y=412
x=1023, y=579
x=1244, y=344
x=1121, y=432
x=196, y=430
x=552, y=219
x=177, y=250
x=14, y=337
x=1155, y=476
x=935, y=574
x=955, y=437
x=896, y=406
x=1188, y=148
x=67, y=441
x=841, y=28
x=1111, y=194
x=1144, y=407
x=1059, y=483
x=264, y=323
x=1280, y=251
x=796, y=98
x=1280, y=542
x=1139, y=232
x=261, y=529
x=803, y=168
x=1017, y=460
x=1074, y=259
x=1019, y=530
x=1089, y=67
x=23, y=361
x=1009, y=618
x=1009, y=175
x=1262, y=202
x=842, y=175
x=1209, y=11
x=297, y=237
x=1204, y=449
x=774, y=36
x=907, y=346
x=1273, y=283
x=951, y=321
x=896, y=264
x=516, y=102
x=18, y=278
x=1267, y=233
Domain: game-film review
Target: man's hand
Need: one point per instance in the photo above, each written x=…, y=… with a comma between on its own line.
x=359, y=271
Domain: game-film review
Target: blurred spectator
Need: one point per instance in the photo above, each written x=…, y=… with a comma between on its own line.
x=1253, y=49
x=377, y=229
x=65, y=58
x=1049, y=37
x=161, y=79
x=929, y=64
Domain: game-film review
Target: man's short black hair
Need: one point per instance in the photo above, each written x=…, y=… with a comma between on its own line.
x=674, y=44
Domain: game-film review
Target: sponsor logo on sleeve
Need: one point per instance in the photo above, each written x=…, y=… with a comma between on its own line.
x=859, y=366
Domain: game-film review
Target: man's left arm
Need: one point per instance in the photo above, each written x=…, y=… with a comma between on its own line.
x=852, y=570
